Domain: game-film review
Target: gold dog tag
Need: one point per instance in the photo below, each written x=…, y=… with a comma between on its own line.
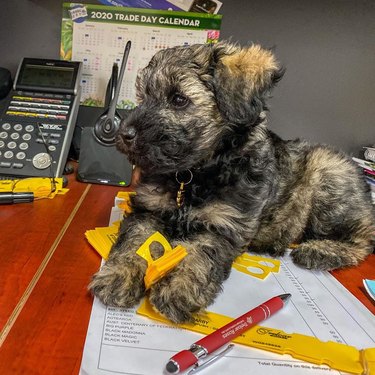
x=180, y=195
x=181, y=190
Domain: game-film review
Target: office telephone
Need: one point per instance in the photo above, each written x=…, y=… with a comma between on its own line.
x=37, y=124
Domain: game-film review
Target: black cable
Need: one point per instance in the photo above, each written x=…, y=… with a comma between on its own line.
x=52, y=177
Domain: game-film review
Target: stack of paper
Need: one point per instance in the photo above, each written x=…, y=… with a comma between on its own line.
x=102, y=238
x=368, y=169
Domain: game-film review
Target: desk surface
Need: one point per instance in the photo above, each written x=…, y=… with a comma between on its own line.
x=45, y=267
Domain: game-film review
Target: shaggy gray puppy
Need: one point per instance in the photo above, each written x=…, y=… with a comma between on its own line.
x=215, y=180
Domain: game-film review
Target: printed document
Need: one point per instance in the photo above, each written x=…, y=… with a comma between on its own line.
x=119, y=341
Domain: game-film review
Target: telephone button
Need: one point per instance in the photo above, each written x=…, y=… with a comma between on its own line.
x=20, y=155
x=41, y=160
x=15, y=135
x=17, y=127
x=5, y=164
x=23, y=146
x=3, y=135
x=6, y=126
x=17, y=165
x=8, y=154
x=26, y=137
x=29, y=128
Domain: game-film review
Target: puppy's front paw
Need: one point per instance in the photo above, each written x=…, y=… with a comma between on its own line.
x=119, y=285
x=177, y=298
x=319, y=255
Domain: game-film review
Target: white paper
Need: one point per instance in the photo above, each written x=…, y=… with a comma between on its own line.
x=121, y=342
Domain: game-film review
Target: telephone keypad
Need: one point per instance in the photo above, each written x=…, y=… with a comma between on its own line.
x=33, y=130
x=16, y=140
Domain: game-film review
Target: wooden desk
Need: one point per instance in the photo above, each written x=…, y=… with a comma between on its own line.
x=45, y=267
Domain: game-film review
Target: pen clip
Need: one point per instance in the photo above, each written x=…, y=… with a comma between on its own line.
x=200, y=366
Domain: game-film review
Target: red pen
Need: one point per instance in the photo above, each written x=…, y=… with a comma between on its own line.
x=215, y=340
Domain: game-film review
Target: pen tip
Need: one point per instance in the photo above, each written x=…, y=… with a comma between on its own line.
x=172, y=367
x=285, y=297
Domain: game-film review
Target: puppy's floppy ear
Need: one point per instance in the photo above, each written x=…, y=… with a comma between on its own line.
x=242, y=80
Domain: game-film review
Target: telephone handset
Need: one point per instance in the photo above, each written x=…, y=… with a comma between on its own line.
x=111, y=88
x=107, y=125
x=99, y=160
x=5, y=82
x=36, y=127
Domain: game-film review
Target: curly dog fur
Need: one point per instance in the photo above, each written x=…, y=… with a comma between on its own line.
x=203, y=109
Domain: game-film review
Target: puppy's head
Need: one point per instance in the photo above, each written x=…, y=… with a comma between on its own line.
x=192, y=97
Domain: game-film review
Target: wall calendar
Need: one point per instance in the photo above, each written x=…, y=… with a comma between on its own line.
x=97, y=35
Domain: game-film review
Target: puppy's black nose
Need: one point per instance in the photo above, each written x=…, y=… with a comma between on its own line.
x=128, y=133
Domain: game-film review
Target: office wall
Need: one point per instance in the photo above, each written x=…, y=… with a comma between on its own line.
x=327, y=46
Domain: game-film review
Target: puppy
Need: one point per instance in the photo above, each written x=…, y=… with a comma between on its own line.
x=215, y=180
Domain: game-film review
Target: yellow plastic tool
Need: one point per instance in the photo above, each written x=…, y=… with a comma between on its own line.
x=42, y=187
x=307, y=348
x=256, y=266
x=123, y=201
x=160, y=267
x=102, y=238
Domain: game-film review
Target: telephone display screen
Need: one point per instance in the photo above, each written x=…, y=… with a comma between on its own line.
x=47, y=76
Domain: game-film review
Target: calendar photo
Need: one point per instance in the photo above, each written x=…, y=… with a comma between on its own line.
x=96, y=35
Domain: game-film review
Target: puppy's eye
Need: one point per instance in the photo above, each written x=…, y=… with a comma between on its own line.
x=180, y=101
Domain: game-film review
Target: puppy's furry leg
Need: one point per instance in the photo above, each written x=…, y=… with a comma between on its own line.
x=331, y=254
x=288, y=224
x=196, y=281
x=120, y=281
x=340, y=231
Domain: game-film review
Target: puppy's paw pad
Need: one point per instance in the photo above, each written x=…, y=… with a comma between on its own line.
x=314, y=258
x=303, y=258
x=176, y=303
x=117, y=288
